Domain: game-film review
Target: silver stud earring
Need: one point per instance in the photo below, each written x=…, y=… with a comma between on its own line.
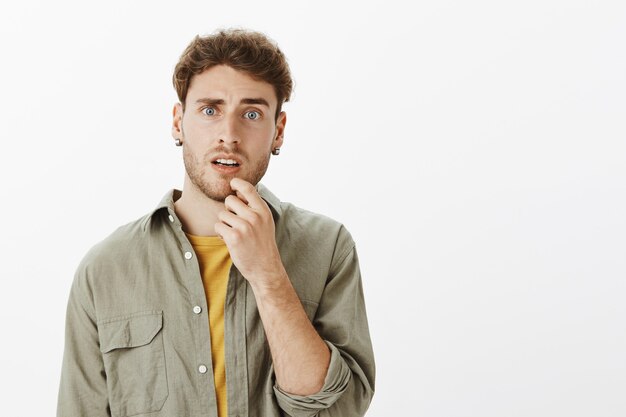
x=276, y=151
x=178, y=142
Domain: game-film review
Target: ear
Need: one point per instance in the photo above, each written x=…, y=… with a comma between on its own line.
x=280, y=130
x=177, y=123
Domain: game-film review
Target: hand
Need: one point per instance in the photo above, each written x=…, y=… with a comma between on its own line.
x=247, y=227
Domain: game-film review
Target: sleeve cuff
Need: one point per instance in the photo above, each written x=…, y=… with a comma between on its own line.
x=336, y=381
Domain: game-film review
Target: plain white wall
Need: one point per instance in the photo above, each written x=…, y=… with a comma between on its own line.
x=475, y=150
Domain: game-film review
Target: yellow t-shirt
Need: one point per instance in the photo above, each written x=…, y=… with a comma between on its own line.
x=215, y=262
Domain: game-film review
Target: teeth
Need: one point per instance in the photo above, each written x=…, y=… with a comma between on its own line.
x=226, y=161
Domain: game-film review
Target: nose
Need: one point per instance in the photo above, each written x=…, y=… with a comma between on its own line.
x=230, y=131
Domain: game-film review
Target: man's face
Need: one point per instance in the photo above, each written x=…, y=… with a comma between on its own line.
x=228, y=129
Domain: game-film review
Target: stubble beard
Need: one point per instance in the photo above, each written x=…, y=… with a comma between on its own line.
x=220, y=188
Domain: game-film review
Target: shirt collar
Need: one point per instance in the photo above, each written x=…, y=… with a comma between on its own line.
x=167, y=202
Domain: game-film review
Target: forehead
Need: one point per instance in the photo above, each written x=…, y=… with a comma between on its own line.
x=229, y=84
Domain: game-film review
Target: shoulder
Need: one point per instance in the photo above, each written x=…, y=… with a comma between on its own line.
x=315, y=231
x=298, y=229
x=114, y=248
x=306, y=220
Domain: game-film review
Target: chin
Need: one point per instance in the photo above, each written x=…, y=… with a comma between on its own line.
x=218, y=194
x=217, y=191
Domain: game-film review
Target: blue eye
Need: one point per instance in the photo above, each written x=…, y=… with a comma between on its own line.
x=209, y=111
x=252, y=115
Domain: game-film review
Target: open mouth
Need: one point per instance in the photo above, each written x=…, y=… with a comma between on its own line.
x=226, y=162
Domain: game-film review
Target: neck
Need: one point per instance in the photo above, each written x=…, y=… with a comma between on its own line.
x=197, y=212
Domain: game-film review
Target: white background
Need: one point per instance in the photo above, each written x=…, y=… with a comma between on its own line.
x=475, y=150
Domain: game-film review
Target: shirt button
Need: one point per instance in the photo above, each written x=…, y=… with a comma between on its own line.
x=171, y=218
x=202, y=369
x=188, y=255
x=197, y=309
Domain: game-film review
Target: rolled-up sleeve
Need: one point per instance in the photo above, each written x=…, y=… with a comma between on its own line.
x=341, y=321
x=83, y=388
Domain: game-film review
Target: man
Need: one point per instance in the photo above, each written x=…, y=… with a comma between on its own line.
x=223, y=301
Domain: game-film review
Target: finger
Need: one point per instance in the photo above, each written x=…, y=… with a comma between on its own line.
x=235, y=205
x=232, y=220
x=242, y=197
x=222, y=230
x=247, y=192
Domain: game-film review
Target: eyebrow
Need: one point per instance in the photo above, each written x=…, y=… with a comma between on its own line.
x=259, y=100
x=214, y=101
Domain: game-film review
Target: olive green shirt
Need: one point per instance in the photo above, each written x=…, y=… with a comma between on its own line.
x=137, y=340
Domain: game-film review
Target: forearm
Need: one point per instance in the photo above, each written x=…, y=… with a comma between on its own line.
x=342, y=323
x=299, y=354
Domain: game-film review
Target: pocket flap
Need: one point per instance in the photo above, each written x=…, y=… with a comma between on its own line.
x=129, y=331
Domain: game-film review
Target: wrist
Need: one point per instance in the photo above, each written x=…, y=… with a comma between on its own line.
x=272, y=284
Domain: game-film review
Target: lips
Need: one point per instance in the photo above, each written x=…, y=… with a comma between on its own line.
x=227, y=160
x=226, y=164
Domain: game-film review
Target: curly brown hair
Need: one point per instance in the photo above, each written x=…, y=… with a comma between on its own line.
x=244, y=50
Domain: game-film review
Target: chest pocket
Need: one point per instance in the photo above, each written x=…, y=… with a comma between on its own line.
x=134, y=361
